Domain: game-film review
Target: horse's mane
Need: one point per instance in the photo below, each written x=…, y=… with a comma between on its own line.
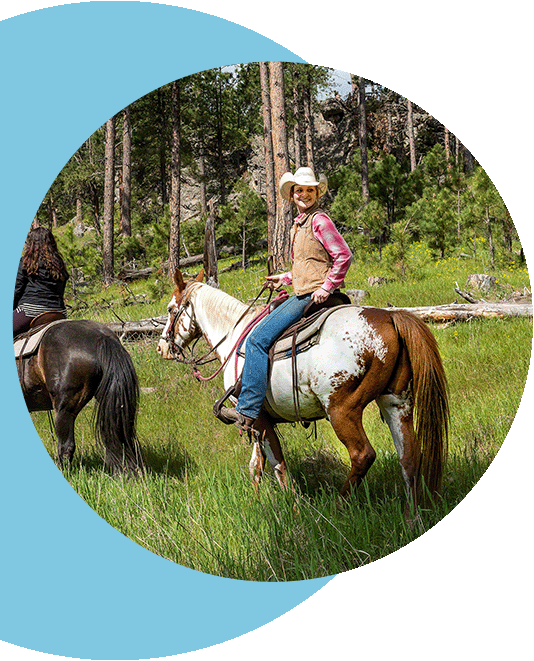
x=221, y=307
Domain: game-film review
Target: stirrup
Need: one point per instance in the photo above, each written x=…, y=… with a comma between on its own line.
x=219, y=403
x=232, y=417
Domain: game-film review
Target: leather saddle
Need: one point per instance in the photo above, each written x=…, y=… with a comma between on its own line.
x=46, y=318
x=304, y=333
x=28, y=342
x=297, y=338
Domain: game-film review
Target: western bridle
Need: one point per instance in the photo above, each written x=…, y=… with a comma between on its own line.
x=178, y=353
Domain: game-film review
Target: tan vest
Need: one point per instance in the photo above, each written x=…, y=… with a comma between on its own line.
x=311, y=261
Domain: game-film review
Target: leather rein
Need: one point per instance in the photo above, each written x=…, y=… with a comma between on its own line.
x=194, y=363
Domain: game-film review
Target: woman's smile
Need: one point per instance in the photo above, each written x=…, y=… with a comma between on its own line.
x=304, y=196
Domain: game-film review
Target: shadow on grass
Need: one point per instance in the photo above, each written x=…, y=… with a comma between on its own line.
x=171, y=460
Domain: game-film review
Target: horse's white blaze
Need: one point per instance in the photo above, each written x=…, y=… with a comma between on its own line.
x=163, y=347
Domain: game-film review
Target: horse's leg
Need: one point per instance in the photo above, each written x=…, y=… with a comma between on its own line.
x=348, y=426
x=257, y=462
x=66, y=445
x=267, y=447
x=396, y=407
x=67, y=405
x=397, y=411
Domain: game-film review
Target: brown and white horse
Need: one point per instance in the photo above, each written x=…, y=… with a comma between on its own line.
x=363, y=354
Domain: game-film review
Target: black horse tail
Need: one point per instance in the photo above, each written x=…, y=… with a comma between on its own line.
x=118, y=399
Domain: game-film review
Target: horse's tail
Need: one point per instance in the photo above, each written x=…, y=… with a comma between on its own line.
x=430, y=394
x=118, y=398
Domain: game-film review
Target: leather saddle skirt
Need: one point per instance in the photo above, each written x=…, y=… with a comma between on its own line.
x=28, y=343
x=302, y=335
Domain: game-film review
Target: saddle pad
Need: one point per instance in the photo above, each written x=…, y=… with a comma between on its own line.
x=28, y=343
x=307, y=336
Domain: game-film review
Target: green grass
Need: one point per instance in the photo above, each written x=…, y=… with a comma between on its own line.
x=197, y=507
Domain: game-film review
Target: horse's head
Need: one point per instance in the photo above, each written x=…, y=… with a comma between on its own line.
x=181, y=327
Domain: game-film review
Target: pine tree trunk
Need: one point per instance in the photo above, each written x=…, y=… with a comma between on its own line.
x=363, y=141
x=174, y=203
x=126, y=223
x=411, y=136
x=210, y=251
x=308, y=127
x=447, y=141
x=389, y=147
x=270, y=188
x=490, y=239
x=280, y=247
x=202, y=175
x=162, y=147
x=79, y=210
x=51, y=212
x=109, y=203
x=298, y=131
x=222, y=183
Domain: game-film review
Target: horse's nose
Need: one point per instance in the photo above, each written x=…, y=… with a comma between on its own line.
x=163, y=348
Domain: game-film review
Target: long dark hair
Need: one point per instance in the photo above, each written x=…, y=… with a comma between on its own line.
x=41, y=249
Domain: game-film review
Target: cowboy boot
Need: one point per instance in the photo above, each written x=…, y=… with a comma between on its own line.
x=231, y=416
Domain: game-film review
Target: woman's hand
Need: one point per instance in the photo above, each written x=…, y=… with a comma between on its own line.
x=273, y=281
x=320, y=295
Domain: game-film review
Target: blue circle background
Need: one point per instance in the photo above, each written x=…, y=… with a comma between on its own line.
x=71, y=584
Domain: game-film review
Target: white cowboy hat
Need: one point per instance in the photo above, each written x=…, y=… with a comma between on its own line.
x=302, y=177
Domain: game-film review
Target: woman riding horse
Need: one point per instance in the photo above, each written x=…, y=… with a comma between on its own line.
x=41, y=280
x=321, y=259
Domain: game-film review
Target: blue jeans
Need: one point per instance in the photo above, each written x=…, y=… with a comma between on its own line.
x=261, y=338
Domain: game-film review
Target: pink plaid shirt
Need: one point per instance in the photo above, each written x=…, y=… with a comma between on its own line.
x=325, y=231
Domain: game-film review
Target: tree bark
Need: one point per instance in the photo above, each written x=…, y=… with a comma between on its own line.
x=363, y=140
x=109, y=206
x=299, y=134
x=79, y=209
x=220, y=158
x=308, y=126
x=280, y=247
x=202, y=175
x=126, y=214
x=270, y=189
x=174, y=205
x=210, y=251
x=411, y=137
x=447, y=140
x=491, y=245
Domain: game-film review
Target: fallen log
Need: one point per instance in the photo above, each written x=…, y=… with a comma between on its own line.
x=152, y=326
x=439, y=314
x=129, y=274
x=465, y=311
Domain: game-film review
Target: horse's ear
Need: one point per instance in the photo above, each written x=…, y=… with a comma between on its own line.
x=178, y=279
x=200, y=276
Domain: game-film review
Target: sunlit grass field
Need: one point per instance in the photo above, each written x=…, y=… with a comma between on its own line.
x=197, y=507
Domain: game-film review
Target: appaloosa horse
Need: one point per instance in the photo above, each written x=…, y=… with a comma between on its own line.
x=362, y=354
x=74, y=362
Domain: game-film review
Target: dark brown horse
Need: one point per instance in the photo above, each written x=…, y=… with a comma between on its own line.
x=362, y=355
x=76, y=361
